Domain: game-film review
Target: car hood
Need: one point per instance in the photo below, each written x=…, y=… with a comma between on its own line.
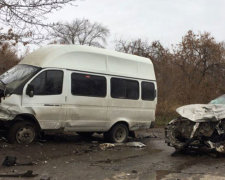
x=202, y=112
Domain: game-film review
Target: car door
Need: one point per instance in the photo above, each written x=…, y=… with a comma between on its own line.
x=87, y=102
x=48, y=100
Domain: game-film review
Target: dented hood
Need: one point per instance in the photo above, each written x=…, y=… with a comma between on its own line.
x=202, y=112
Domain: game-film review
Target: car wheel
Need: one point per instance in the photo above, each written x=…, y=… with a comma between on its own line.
x=118, y=133
x=22, y=133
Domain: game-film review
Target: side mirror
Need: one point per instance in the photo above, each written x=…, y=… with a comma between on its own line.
x=30, y=90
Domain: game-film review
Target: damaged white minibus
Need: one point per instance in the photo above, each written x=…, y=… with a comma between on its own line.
x=77, y=88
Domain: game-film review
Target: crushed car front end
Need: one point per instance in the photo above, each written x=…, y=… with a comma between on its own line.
x=198, y=126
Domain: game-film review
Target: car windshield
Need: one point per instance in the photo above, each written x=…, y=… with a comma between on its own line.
x=219, y=100
x=16, y=73
x=14, y=77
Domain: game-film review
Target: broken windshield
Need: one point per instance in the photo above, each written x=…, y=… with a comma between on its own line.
x=18, y=72
x=14, y=77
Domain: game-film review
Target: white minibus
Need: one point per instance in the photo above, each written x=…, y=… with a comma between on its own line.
x=82, y=89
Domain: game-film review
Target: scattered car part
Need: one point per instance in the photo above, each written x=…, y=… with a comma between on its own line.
x=29, y=173
x=105, y=146
x=11, y=161
x=135, y=144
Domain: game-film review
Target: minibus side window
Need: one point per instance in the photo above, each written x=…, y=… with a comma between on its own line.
x=148, y=91
x=124, y=89
x=49, y=82
x=88, y=85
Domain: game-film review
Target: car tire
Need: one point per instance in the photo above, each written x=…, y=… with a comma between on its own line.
x=118, y=133
x=22, y=132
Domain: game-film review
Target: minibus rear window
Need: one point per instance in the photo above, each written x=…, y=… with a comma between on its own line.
x=148, y=91
x=124, y=88
x=88, y=85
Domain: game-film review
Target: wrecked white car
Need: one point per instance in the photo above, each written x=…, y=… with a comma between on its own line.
x=82, y=89
x=199, y=126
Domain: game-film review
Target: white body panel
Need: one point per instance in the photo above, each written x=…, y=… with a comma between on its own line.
x=50, y=111
x=90, y=59
x=202, y=112
x=83, y=113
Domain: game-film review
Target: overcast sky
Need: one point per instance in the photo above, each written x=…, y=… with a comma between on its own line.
x=163, y=20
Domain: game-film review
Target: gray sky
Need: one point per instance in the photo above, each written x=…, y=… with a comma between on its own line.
x=163, y=20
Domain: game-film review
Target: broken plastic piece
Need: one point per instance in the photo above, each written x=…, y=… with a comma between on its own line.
x=11, y=161
x=29, y=173
x=135, y=144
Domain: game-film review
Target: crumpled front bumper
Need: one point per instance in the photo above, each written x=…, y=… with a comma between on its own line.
x=6, y=113
x=6, y=116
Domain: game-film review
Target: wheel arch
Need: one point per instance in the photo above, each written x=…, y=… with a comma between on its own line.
x=27, y=117
x=120, y=122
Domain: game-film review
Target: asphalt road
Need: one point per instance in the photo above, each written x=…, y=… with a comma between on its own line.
x=72, y=157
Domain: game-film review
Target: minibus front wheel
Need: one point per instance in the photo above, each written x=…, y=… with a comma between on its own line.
x=118, y=133
x=22, y=132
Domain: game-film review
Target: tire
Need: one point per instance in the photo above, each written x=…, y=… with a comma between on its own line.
x=118, y=133
x=85, y=134
x=22, y=132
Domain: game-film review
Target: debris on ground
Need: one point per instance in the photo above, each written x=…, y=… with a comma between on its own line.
x=45, y=177
x=11, y=161
x=135, y=144
x=105, y=146
x=29, y=173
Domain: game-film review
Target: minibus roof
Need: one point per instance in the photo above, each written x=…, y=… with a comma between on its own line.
x=91, y=59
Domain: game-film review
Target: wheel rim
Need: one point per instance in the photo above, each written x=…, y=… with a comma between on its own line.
x=120, y=134
x=25, y=135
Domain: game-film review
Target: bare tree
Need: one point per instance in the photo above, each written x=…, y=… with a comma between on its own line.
x=137, y=47
x=80, y=31
x=8, y=57
x=20, y=13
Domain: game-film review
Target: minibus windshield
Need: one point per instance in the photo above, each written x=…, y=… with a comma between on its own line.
x=12, y=78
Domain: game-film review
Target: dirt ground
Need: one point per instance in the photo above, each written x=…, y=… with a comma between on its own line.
x=72, y=157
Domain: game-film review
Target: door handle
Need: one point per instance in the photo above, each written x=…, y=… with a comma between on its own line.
x=52, y=105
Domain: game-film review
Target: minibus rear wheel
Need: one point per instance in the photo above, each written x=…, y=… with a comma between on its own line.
x=118, y=133
x=22, y=132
